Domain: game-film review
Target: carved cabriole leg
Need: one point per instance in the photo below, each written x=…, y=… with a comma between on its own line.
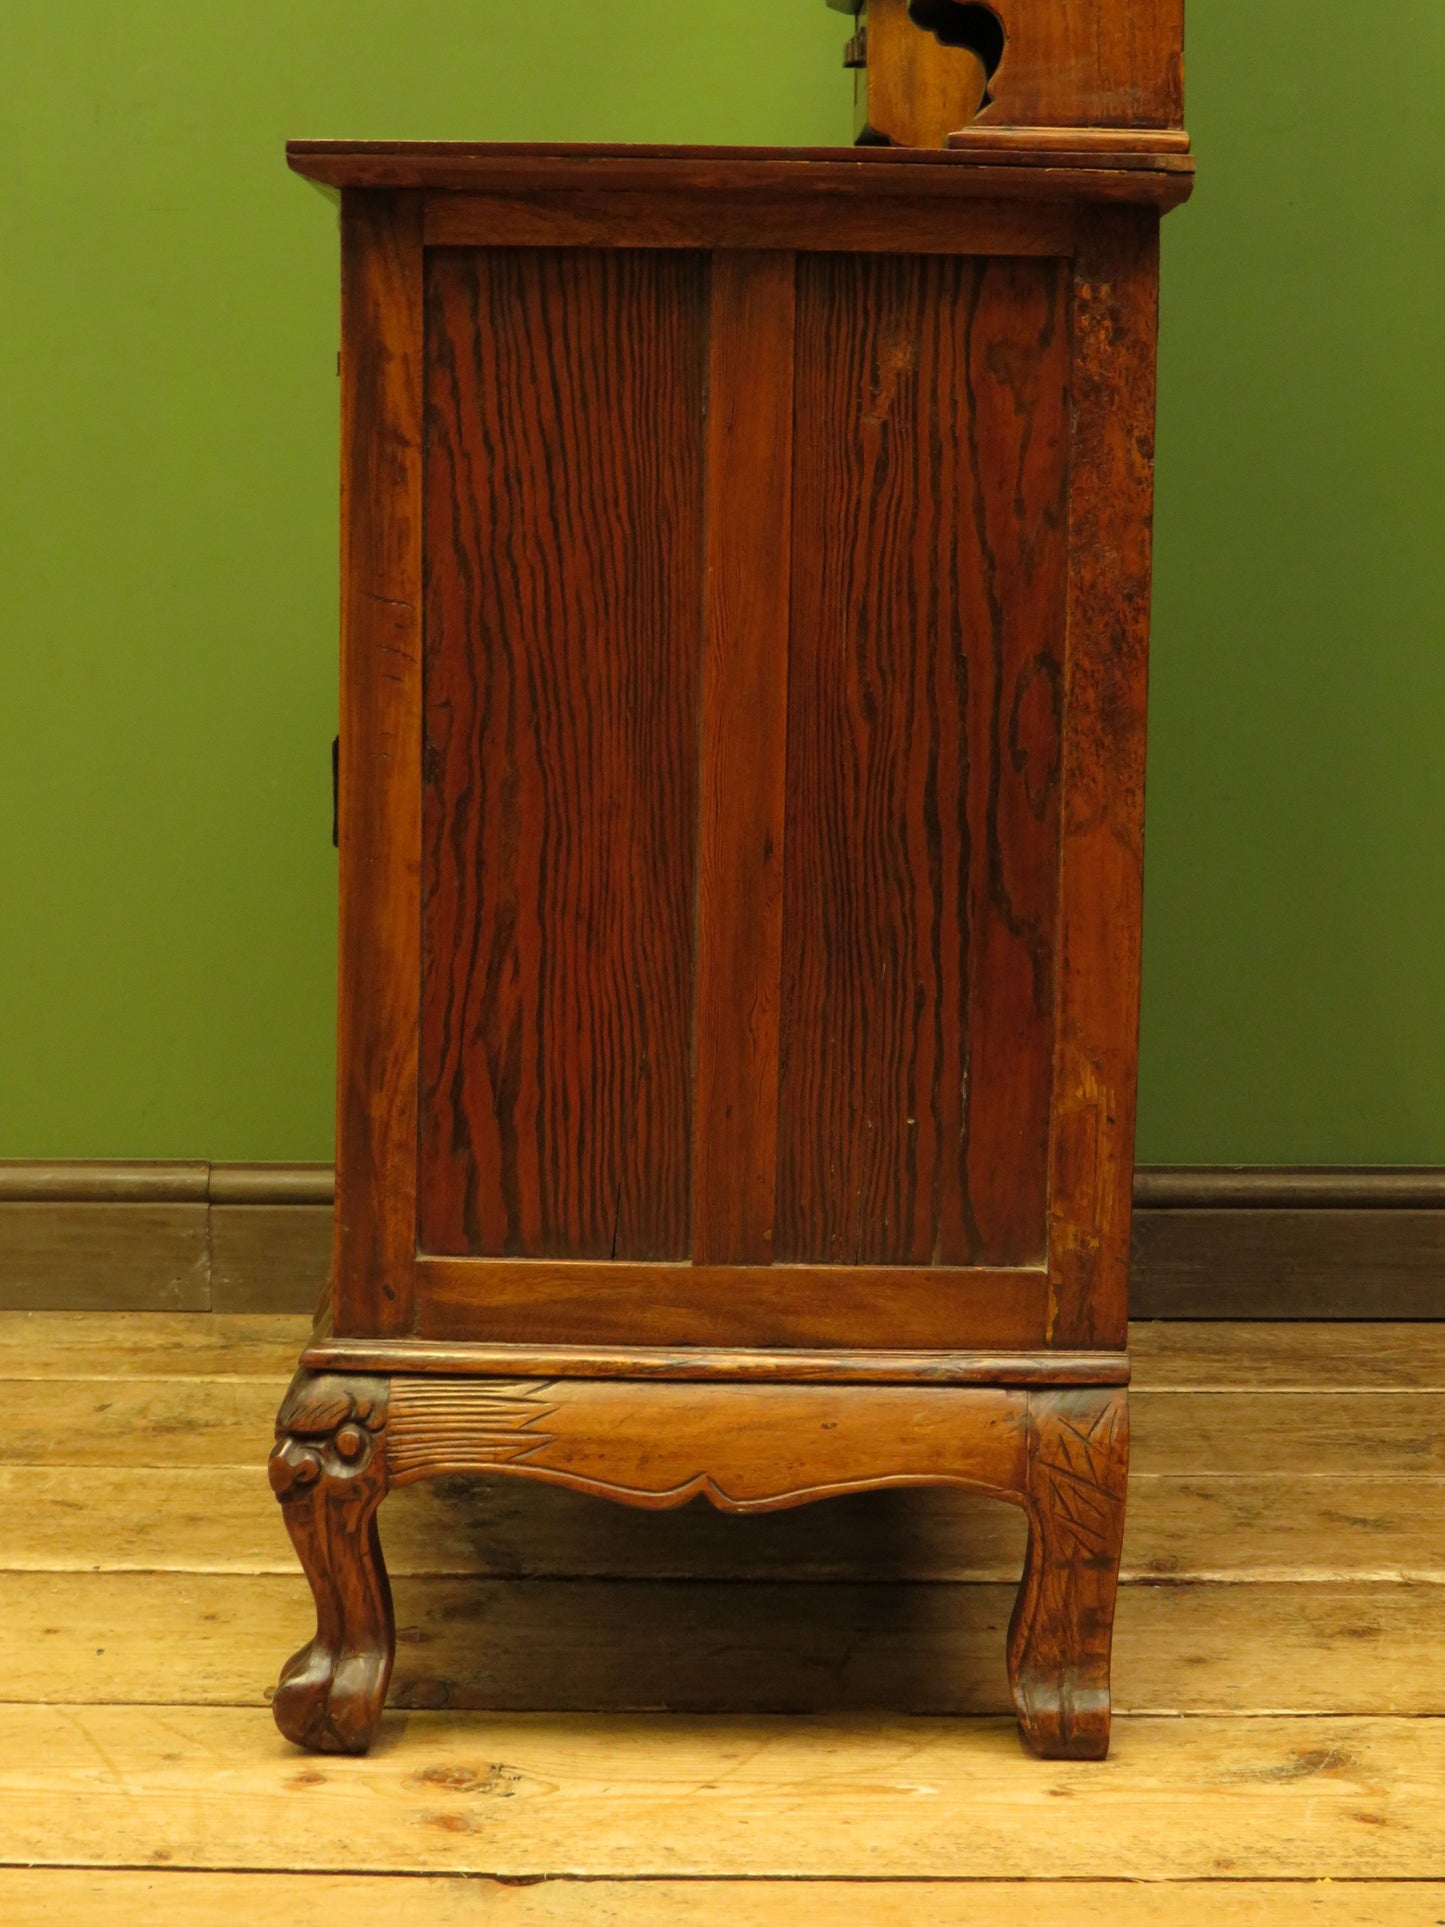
x=1062, y=1455
x=1063, y=1622
x=328, y=1469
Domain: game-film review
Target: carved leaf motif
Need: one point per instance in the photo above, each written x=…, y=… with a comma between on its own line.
x=464, y=1425
x=1080, y=1466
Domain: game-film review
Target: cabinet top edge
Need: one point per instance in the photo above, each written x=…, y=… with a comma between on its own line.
x=1157, y=163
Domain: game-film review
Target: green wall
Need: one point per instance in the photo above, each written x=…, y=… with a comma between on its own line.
x=167, y=533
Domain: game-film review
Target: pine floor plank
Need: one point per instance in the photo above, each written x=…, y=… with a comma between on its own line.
x=847, y=1797
x=229, y=1421
x=120, y=1345
x=1274, y=1527
x=530, y=1645
x=1182, y=1355
x=1168, y=1356
x=149, y=1593
x=41, y=1898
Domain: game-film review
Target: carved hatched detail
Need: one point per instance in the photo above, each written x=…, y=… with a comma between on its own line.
x=744, y=1447
x=1079, y=1469
x=468, y=1425
x=1062, y=1631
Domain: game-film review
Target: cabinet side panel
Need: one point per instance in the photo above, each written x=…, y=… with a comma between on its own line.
x=922, y=827
x=565, y=400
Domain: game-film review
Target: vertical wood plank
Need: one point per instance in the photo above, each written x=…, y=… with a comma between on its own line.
x=1017, y=442
x=743, y=776
x=1115, y=302
x=928, y=595
x=565, y=393
x=380, y=774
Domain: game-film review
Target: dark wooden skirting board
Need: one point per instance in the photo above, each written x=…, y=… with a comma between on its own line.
x=1209, y=1242
x=81, y=1236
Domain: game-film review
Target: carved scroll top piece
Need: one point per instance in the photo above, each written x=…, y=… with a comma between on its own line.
x=927, y=69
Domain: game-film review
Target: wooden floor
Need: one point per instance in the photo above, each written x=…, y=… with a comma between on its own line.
x=610, y=1716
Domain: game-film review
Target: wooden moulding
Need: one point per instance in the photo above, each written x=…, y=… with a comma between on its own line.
x=1157, y=1187
x=1059, y=1454
x=1114, y=146
x=782, y=1365
x=1315, y=1187
x=822, y=178
x=610, y=1302
x=1258, y=1242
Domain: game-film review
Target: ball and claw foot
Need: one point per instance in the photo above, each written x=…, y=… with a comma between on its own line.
x=328, y=1469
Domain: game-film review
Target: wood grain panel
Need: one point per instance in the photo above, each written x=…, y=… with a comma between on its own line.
x=564, y=585
x=1111, y=497
x=733, y=1306
x=583, y=216
x=379, y=796
x=928, y=587
x=742, y=782
x=914, y=91
x=1069, y=65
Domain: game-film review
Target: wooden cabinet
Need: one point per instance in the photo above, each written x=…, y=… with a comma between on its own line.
x=746, y=575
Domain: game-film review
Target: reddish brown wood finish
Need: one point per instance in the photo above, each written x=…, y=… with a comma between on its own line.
x=783, y=1365
x=741, y=853
x=1115, y=317
x=565, y=395
x=1107, y=63
x=844, y=180
x=741, y=861
x=379, y=800
x=746, y=1448
x=1112, y=63
x=910, y=88
x=743, y=752
x=328, y=1469
x=922, y=830
x=674, y=217
x=1062, y=1631
x=915, y=1307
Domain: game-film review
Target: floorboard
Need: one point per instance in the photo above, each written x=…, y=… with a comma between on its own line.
x=1280, y=1675
x=1282, y=1527
x=625, y=1646
x=524, y=1796
x=201, y=1421
x=146, y=1899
